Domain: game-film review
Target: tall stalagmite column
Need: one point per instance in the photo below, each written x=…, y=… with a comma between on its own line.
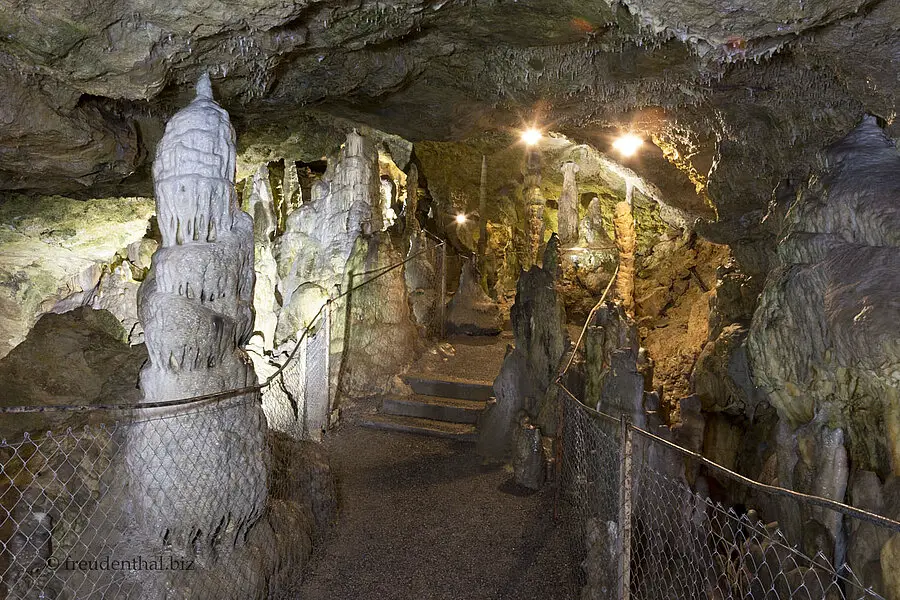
x=626, y=241
x=361, y=178
x=199, y=473
x=412, y=199
x=568, y=206
x=534, y=206
x=482, y=211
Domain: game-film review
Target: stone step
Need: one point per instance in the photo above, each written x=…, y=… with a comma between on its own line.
x=452, y=410
x=456, y=431
x=450, y=387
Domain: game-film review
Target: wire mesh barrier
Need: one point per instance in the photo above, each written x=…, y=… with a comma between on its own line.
x=180, y=499
x=119, y=510
x=640, y=531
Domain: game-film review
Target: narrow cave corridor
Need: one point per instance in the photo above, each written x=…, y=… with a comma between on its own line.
x=449, y=299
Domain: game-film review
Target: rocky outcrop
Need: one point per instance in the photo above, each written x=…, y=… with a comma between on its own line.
x=673, y=290
x=524, y=385
x=823, y=342
x=57, y=253
x=100, y=368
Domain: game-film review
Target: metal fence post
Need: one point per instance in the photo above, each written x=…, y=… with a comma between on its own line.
x=560, y=449
x=443, y=298
x=625, y=508
x=328, y=400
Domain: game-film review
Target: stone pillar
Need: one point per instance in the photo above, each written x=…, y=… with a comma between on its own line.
x=261, y=205
x=360, y=177
x=534, y=207
x=412, y=199
x=482, y=212
x=568, y=206
x=626, y=242
x=198, y=475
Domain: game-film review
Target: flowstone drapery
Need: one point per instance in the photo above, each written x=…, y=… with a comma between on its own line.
x=196, y=309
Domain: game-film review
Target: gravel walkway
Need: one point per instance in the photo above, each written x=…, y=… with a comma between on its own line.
x=423, y=518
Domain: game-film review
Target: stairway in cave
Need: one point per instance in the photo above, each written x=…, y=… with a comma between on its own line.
x=450, y=390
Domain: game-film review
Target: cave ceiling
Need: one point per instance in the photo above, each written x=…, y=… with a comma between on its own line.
x=739, y=95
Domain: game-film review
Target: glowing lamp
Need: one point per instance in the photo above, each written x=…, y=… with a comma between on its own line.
x=628, y=144
x=460, y=219
x=531, y=136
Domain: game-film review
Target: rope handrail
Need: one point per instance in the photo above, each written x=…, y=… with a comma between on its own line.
x=774, y=490
x=226, y=393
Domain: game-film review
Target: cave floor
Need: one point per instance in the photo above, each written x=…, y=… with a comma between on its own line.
x=426, y=518
x=476, y=358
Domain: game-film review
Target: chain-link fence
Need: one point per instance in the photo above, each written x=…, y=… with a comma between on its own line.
x=210, y=497
x=641, y=531
x=168, y=506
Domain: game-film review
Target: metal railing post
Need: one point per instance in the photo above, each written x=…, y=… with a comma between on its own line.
x=443, y=298
x=328, y=400
x=625, y=508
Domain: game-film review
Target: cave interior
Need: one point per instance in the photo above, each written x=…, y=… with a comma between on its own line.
x=686, y=215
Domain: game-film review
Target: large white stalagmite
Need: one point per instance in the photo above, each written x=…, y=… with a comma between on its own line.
x=198, y=475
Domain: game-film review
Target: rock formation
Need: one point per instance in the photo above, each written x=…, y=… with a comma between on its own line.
x=588, y=256
x=823, y=342
x=524, y=385
x=412, y=200
x=471, y=311
x=591, y=226
x=534, y=207
x=321, y=234
x=482, y=211
x=198, y=477
x=57, y=253
x=568, y=206
x=422, y=282
x=261, y=206
x=626, y=242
